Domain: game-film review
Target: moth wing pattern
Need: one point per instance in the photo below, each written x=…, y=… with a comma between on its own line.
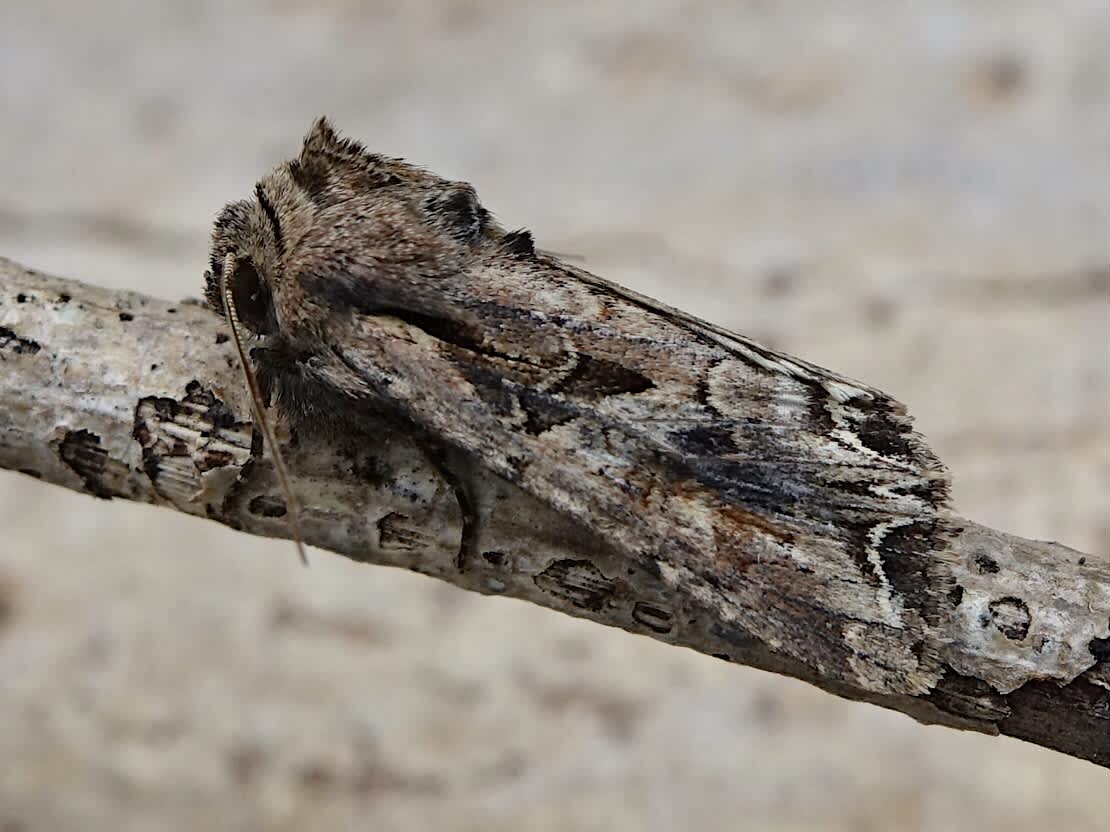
x=788, y=490
x=798, y=502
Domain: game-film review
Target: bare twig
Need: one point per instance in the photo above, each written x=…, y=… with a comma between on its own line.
x=122, y=395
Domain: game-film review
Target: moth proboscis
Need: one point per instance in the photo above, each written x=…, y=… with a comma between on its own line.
x=802, y=503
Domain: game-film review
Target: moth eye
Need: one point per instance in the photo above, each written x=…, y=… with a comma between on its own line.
x=459, y=212
x=252, y=298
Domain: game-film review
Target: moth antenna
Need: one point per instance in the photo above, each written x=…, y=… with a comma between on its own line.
x=293, y=511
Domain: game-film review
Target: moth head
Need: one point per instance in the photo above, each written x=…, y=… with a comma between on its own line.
x=249, y=252
x=340, y=225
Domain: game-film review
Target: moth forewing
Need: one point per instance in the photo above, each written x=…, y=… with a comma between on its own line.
x=799, y=502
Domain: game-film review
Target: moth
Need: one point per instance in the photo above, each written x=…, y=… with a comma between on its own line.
x=800, y=501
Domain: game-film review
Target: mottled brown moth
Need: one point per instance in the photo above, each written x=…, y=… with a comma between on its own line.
x=803, y=498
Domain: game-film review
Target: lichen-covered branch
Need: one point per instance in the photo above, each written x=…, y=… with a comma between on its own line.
x=124, y=396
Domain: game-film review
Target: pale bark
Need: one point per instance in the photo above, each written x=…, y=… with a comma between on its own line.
x=121, y=395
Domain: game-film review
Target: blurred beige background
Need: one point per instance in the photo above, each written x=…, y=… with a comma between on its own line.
x=914, y=194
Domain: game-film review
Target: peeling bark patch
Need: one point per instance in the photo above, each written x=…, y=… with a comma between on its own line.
x=656, y=619
x=1010, y=616
x=396, y=534
x=267, y=505
x=181, y=440
x=578, y=582
x=81, y=451
x=11, y=342
x=986, y=564
x=150, y=414
x=218, y=413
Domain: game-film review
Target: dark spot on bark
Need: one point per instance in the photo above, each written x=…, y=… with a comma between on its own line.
x=984, y=619
x=577, y=581
x=64, y=298
x=1011, y=616
x=222, y=338
x=13, y=343
x=1082, y=561
x=81, y=451
x=215, y=410
x=495, y=558
x=126, y=316
x=267, y=505
x=986, y=564
x=164, y=410
x=956, y=595
x=153, y=367
x=656, y=619
x=171, y=311
x=652, y=568
x=21, y=298
x=369, y=468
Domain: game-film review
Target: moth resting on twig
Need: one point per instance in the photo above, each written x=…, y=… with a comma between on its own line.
x=800, y=500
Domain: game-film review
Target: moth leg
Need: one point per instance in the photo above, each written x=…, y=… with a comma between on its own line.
x=468, y=543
